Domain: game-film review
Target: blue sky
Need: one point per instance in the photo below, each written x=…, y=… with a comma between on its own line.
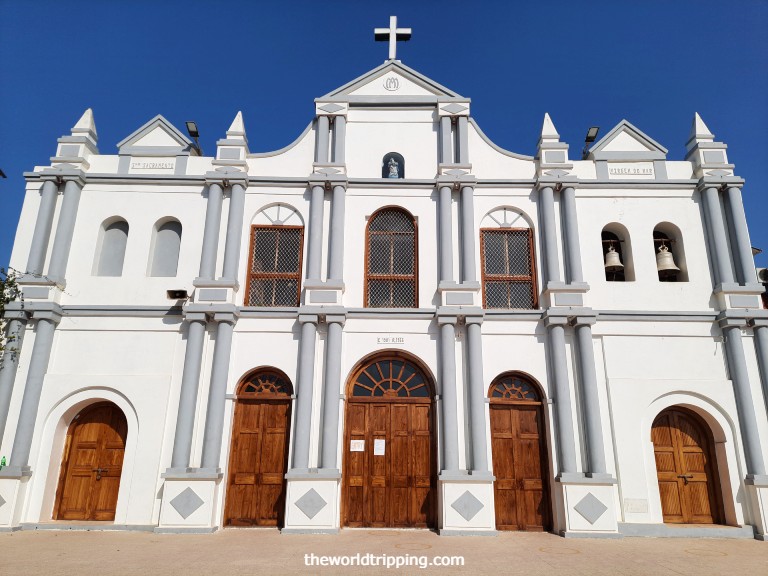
x=653, y=62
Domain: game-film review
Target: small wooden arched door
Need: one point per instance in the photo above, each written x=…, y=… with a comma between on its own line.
x=259, y=453
x=518, y=443
x=683, y=447
x=389, y=450
x=89, y=481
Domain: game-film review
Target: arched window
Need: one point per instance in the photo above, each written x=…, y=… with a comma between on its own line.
x=508, y=261
x=265, y=382
x=670, y=253
x=166, y=243
x=514, y=387
x=615, y=238
x=391, y=377
x=391, y=260
x=110, y=253
x=393, y=166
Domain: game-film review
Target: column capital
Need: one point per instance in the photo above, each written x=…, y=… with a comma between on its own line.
x=60, y=174
x=327, y=180
x=226, y=176
x=719, y=182
x=226, y=317
x=47, y=311
x=309, y=319
x=474, y=318
x=583, y=320
x=758, y=322
x=194, y=316
x=455, y=176
x=731, y=320
x=446, y=317
x=16, y=311
x=556, y=179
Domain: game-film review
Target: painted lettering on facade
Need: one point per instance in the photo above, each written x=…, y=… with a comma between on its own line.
x=153, y=165
x=634, y=170
x=390, y=340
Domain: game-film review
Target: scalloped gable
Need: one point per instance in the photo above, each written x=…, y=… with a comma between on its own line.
x=410, y=83
x=627, y=142
x=157, y=135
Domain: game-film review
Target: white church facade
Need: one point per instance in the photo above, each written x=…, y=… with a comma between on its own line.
x=392, y=322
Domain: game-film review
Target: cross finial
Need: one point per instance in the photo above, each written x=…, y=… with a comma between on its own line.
x=393, y=35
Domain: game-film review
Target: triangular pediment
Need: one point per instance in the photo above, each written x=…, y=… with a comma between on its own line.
x=626, y=141
x=393, y=78
x=155, y=136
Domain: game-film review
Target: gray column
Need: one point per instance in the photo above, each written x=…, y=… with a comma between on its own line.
x=190, y=381
x=43, y=225
x=717, y=235
x=463, y=140
x=339, y=139
x=336, y=232
x=15, y=330
x=234, y=232
x=38, y=366
x=321, y=144
x=448, y=393
x=304, y=385
x=745, y=271
x=563, y=413
x=217, y=393
x=332, y=390
x=746, y=410
x=62, y=242
x=211, y=232
x=445, y=233
x=590, y=400
x=315, y=246
x=547, y=228
x=467, y=217
x=760, y=331
x=446, y=140
x=571, y=233
x=476, y=395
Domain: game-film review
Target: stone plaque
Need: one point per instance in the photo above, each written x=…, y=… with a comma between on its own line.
x=390, y=340
x=633, y=170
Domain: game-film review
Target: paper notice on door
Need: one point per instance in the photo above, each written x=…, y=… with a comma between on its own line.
x=357, y=445
x=378, y=447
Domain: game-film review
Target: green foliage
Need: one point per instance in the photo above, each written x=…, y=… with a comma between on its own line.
x=9, y=292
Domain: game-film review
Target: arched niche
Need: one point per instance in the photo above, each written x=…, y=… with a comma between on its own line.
x=667, y=235
x=616, y=236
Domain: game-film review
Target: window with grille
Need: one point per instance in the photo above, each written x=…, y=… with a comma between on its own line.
x=391, y=262
x=509, y=278
x=274, y=266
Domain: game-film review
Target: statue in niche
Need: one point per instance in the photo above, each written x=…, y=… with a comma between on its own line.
x=394, y=169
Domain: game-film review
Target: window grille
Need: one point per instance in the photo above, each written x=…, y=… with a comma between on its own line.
x=265, y=382
x=509, y=279
x=391, y=377
x=391, y=260
x=274, y=266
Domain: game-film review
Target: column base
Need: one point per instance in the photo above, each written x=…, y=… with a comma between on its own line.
x=312, y=502
x=589, y=505
x=756, y=488
x=466, y=504
x=189, y=501
x=12, y=491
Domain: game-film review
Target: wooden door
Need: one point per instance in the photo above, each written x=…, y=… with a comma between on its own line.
x=93, y=462
x=389, y=452
x=259, y=453
x=686, y=468
x=518, y=447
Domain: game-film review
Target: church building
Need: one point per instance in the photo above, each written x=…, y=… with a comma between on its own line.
x=390, y=323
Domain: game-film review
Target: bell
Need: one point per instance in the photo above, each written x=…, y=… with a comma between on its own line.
x=665, y=263
x=612, y=261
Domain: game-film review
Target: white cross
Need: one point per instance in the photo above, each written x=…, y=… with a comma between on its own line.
x=393, y=34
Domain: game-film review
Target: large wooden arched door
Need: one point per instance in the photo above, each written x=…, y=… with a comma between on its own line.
x=521, y=490
x=389, y=449
x=93, y=462
x=683, y=447
x=259, y=454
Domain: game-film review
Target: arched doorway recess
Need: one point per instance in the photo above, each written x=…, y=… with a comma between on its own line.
x=389, y=445
x=259, y=454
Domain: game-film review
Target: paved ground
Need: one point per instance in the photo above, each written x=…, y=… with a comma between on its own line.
x=251, y=552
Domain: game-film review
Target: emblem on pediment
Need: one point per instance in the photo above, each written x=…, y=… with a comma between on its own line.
x=392, y=84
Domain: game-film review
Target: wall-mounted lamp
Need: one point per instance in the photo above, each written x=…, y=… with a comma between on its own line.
x=590, y=137
x=194, y=134
x=177, y=294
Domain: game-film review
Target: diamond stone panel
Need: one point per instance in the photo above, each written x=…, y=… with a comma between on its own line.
x=591, y=508
x=331, y=108
x=454, y=108
x=2, y=501
x=186, y=503
x=311, y=503
x=467, y=505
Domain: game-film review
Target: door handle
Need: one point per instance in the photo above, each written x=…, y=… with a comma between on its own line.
x=99, y=471
x=685, y=477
